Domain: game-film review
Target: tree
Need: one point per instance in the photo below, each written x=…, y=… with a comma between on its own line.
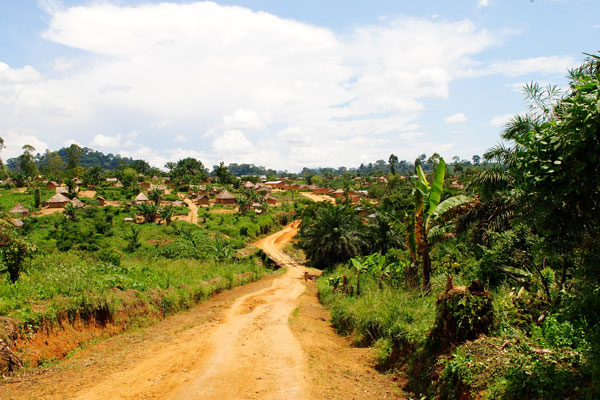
x=27, y=163
x=330, y=234
x=71, y=211
x=427, y=225
x=223, y=174
x=133, y=239
x=393, y=160
x=148, y=211
x=166, y=213
x=14, y=249
x=476, y=159
x=155, y=195
x=74, y=153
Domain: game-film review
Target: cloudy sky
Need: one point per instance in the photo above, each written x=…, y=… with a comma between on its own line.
x=284, y=84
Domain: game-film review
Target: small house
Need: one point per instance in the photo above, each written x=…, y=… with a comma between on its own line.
x=202, y=200
x=58, y=201
x=101, y=201
x=320, y=191
x=20, y=209
x=51, y=185
x=118, y=184
x=276, y=184
x=62, y=190
x=77, y=203
x=141, y=198
x=225, y=198
x=16, y=222
x=338, y=193
x=145, y=185
x=270, y=199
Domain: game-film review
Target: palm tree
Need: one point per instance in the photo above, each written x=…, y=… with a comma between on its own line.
x=71, y=211
x=166, y=213
x=155, y=195
x=148, y=211
x=331, y=234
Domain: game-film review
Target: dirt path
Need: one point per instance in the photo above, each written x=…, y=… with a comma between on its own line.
x=192, y=216
x=238, y=345
x=318, y=197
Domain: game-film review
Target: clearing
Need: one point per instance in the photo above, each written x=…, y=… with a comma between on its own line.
x=270, y=339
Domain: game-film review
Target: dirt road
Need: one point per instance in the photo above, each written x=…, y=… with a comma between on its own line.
x=318, y=197
x=238, y=345
x=192, y=216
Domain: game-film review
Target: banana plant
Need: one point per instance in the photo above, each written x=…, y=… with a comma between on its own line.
x=428, y=225
x=359, y=266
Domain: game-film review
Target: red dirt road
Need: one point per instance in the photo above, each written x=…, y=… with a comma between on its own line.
x=266, y=340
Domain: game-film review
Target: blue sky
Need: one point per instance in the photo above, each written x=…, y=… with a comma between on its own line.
x=278, y=83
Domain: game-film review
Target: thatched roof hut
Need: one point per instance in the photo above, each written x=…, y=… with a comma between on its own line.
x=101, y=201
x=77, y=203
x=141, y=198
x=58, y=201
x=16, y=222
x=202, y=200
x=225, y=198
x=51, y=185
x=19, y=209
x=62, y=190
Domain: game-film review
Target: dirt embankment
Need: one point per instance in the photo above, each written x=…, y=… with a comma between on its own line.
x=318, y=197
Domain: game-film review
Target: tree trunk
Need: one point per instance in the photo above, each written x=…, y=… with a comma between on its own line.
x=426, y=268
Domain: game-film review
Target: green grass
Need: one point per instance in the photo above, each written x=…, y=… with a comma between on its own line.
x=10, y=197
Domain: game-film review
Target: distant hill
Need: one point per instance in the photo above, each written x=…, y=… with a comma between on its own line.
x=89, y=158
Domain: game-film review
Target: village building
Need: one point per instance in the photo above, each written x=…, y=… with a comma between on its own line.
x=77, y=203
x=276, y=184
x=145, y=185
x=320, y=191
x=51, y=185
x=141, y=198
x=338, y=193
x=17, y=222
x=58, y=201
x=101, y=201
x=20, y=209
x=225, y=198
x=178, y=203
x=112, y=181
x=270, y=199
x=118, y=184
x=202, y=200
x=62, y=190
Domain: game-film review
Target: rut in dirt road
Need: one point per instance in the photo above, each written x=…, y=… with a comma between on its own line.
x=251, y=354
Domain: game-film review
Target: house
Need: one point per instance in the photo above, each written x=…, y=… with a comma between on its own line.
x=141, y=198
x=51, y=185
x=338, y=193
x=101, y=201
x=17, y=222
x=276, y=184
x=294, y=186
x=225, y=198
x=202, y=200
x=20, y=209
x=162, y=188
x=112, y=181
x=320, y=191
x=62, y=190
x=145, y=185
x=77, y=203
x=248, y=185
x=118, y=184
x=58, y=201
x=270, y=199
x=178, y=203
x=77, y=181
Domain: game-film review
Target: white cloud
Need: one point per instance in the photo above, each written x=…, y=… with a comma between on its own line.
x=64, y=64
x=260, y=88
x=483, y=3
x=243, y=119
x=14, y=141
x=536, y=65
x=104, y=141
x=501, y=120
x=456, y=118
x=179, y=139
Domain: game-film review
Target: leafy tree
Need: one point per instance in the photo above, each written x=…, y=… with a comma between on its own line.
x=27, y=163
x=74, y=153
x=393, y=160
x=14, y=249
x=92, y=176
x=190, y=170
x=148, y=211
x=221, y=171
x=71, y=211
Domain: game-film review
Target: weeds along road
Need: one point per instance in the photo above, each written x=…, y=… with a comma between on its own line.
x=270, y=339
